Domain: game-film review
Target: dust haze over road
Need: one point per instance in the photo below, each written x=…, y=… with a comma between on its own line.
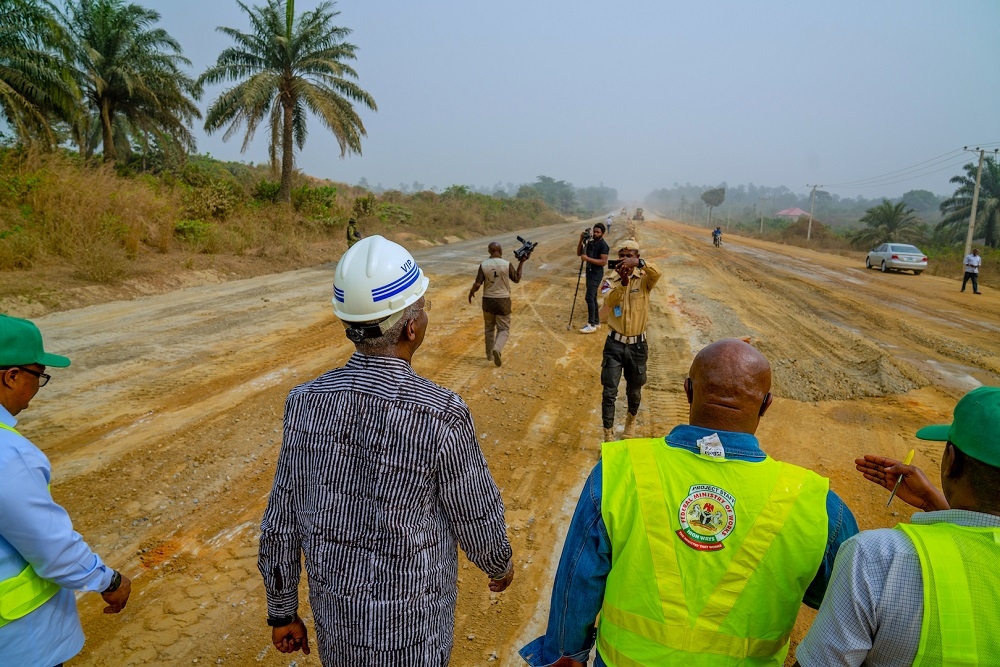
x=163, y=434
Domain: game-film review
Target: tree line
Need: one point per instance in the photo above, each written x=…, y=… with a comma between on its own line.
x=916, y=216
x=100, y=74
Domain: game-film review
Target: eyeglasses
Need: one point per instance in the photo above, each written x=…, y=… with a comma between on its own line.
x=43, y=378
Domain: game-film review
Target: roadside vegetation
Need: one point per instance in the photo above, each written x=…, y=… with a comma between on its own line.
x=66, y=222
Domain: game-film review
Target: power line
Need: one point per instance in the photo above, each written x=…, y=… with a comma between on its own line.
x=920, y=166
x=949, y=160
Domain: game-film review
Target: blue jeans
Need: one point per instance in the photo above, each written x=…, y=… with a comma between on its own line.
x=619, y=358
x=975, y=281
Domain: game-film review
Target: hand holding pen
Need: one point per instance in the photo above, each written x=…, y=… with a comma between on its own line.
x=910, y=482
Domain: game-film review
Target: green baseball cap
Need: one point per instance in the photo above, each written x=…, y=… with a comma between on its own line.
x=974, y=427
x=21, y=344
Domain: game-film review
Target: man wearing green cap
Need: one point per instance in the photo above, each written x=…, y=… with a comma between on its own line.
x=928, y=592
x=42, y=559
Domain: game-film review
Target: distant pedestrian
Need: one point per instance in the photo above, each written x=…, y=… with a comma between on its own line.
x=42, y=559
x=379, y=479
x=497, y=274
x=352, y=233
x=609, y=221
x=972, y=263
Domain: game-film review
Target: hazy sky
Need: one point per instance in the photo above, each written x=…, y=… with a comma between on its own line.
x=641, y=94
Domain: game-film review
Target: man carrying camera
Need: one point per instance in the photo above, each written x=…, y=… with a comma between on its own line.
x=593, y=250
x=497, y=274
x=625, y=349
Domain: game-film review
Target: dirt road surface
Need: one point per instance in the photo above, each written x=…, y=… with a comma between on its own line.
x=164, y=432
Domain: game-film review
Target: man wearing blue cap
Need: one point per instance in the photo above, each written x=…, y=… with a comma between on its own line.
x=42, y=559
x=928, y=592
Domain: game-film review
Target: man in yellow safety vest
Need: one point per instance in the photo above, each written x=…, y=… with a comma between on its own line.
x=697, y=548
x=42, y=559
x=928, y=592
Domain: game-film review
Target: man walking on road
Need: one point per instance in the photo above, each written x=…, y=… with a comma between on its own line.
x=497, y=274
x=594, y=253
x=972, y=262
x=696, y=548
x=927, y=592
x=42, y=559
x=379, y=478
x=626, y=350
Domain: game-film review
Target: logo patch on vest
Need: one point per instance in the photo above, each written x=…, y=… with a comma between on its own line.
x=707, y=517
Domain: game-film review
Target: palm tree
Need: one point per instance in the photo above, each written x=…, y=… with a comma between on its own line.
x=286, y=66
x=35, y=86
x=957, y=208
x=131, y=76
x=888, y=222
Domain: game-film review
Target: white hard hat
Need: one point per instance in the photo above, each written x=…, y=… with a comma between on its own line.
x=375, y=279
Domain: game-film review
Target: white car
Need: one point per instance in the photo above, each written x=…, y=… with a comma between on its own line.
x=897, y=257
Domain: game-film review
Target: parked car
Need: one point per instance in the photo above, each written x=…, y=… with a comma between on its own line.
x=897, y=257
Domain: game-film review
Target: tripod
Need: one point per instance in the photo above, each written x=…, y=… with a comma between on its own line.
x=571, y=310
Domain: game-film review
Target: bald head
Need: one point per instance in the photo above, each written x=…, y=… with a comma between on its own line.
x=728, y=387
x=494, y=249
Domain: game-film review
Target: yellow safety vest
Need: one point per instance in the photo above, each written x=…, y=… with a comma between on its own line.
x=24, y=593
x=710, y=557
x=961, y=593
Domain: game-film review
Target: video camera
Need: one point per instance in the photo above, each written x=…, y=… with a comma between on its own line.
x=587, y=235
x=524, y=252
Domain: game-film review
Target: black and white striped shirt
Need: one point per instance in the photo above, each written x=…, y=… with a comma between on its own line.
x=379, y=474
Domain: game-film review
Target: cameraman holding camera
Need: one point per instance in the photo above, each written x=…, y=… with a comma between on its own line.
x=593, y=250
x=625, y=350
x=497, y=273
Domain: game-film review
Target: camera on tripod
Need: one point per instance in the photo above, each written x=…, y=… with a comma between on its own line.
x=524, y=252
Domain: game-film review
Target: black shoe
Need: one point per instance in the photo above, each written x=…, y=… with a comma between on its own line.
x=496, y=357
x=977, y=292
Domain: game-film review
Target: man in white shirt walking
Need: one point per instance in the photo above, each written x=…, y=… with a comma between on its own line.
x=972, y=263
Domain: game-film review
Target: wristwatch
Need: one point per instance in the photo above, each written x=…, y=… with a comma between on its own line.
x=281, y=621
x=116, y=582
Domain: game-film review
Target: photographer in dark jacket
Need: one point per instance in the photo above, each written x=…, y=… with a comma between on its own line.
x=595, y=253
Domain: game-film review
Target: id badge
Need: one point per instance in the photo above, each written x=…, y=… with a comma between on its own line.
x=618, y=310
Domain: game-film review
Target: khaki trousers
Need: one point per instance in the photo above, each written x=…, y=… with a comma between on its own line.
x=497, y=328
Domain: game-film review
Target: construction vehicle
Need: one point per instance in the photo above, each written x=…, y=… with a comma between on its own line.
x=638, y=215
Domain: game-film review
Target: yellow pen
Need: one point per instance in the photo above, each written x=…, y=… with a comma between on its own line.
x=906, y=462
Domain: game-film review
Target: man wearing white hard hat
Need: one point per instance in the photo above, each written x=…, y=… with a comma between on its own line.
x=379, y=478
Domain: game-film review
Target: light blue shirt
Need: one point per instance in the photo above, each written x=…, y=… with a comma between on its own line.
x=34, y=529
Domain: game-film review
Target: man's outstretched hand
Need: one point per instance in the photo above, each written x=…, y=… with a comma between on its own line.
x=291, y=638
x=915, y=490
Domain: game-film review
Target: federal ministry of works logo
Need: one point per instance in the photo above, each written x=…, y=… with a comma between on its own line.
x=707, y=517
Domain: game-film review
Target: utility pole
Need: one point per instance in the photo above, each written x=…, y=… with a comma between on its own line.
x=975, y=199
x=762, y=200
x=812, y=205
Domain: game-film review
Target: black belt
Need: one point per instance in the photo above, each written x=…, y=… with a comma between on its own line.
x=628, y=340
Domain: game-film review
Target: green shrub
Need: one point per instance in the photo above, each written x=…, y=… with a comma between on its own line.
x=267, y=191
x=195, y=232
x=314, y=202
x=365, y=206
x=393, y=214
